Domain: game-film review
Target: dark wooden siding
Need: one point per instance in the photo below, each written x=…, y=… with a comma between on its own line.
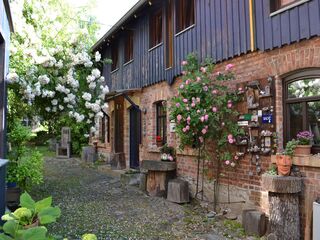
x=293, y=25
x=221, y=31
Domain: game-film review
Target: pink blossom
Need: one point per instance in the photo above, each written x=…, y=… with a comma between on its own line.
x=179, y=117
x=198, y=111
x=188, y=128
x=170, y=158
x=201, y=139
x=202, y=119
x=206, y=117
x=229, y=105
x=240, y=89
x=230, y=136
x=205, y=88
x=214, y=91
x=183, y=63
x=188, y=81
x=187, y=108
x=229, y=67
x=207, y=127
x=198, y=79
x=193, y=104
x=204, y=131
x=233, y=164
x=230, y=140
x=185, y=100
x=184, y=72
x=236, y=157
x=198, y=99
x=222, y=124
x=181, y=86
x=177, y=104
x=203, y=69
x=188, y=118
x=184, y=130
x=227, y=162
x=217, y=73
x=214, y=109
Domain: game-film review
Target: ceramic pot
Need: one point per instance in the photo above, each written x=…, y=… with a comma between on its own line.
x=284, y=164
x=302, y=150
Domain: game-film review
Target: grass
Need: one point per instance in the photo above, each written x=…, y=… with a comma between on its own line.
x=44, y=150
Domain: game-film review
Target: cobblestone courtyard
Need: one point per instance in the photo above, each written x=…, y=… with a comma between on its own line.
x=95, y=202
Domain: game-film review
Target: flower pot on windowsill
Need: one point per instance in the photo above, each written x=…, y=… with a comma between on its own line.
x=302, y=150
x=284, y=163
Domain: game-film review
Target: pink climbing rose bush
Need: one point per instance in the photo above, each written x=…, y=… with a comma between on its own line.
x=204, y=108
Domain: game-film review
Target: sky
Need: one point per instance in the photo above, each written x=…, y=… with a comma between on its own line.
x=108, y=12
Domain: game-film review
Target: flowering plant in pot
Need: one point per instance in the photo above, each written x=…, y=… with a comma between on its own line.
x=284, y=161
x=304, y=143
x=168, y=153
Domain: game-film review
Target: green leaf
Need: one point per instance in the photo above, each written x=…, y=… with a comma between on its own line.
x=49, y=215
x=36, y=233
x=10, y=227
x=26, y=201
x=5, y=237
x=42, y=204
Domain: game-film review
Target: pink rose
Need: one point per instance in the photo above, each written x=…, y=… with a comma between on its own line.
x=204, y=131
x=188, y=118
x=236, y=157
x=198, y=79
x=198, y=111
x=187, y=108
x=170, y=158
x=227, y=162
x=201, y=139
x=205, y=88
x=230, y=140
x=207, y=127
x=214, y=109
x=181, y=86
x=217, y=73
x=229, y=105
x=229, y=66
x=183, y=63
x=188, y=81
x=184, y=72
x=203, y=69
x=184, y=130
x=198, y=99
x=214, y=91
x=193, y=104
x=230, y=136
x=202, y=119
x=206, y=117
x=240, y=89
x=177, y=104
x=185, y=100
x=179, y=117
x=188, y=128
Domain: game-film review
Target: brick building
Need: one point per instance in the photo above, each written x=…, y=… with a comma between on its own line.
x=262, y=38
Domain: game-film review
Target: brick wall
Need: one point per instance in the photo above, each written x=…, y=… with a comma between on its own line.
x=249, y=67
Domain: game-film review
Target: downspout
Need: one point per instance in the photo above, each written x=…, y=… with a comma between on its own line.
x=252, y=25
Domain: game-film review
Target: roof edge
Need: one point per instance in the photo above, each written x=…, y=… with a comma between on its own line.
x=122, y=20
x=8, y=12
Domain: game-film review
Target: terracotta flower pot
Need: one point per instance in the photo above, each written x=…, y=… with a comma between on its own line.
x=302, y=150
x=284, y=164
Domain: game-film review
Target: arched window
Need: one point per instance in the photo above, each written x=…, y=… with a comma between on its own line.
x=302, y=105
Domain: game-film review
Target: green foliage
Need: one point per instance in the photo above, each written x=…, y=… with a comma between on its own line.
x=89, y=236
x=290, y=147
x=25, y=167
x=169, y=151
x=272, y=170
x=28, y=222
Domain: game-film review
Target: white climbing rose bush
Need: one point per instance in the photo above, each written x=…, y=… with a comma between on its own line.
x=52, y=68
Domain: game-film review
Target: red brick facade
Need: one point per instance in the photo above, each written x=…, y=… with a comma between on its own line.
x=256, y=65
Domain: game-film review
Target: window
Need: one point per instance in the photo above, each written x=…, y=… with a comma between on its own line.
x=128, y=48
x=114, y=57
x=155, y=29
x=302, y=105
x=184, y=14
x=278, y=4
x=161, y=119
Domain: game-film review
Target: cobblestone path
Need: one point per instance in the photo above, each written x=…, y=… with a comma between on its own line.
x=94, y=202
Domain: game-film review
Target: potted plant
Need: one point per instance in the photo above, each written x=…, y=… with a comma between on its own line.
x=284, y=161
x=167, y=153
x=304, y=140
x=159, y=141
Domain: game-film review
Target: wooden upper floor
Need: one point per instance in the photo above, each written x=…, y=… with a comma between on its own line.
x=149, y=43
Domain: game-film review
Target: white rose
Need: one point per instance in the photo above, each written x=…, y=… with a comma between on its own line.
x=54, y=102
x=97, y=56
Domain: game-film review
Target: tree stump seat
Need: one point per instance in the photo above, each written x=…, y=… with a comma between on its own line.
x=178, y=191
x=158, y=175
x=283, y=205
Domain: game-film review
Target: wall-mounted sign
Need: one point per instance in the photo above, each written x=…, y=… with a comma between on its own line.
x=172, y=126
x=267, y=118
x=243, y=123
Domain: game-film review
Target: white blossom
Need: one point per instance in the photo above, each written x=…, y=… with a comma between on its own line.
x=101, y=79
x=86, y=96
x=97, y=56
x=48, y=109
x=43, y=79
x=12, y=77
x=88, y=64
x=54, y=102
x=96, y=73
x=61, y=107
x=92, y=85
x=86, y=135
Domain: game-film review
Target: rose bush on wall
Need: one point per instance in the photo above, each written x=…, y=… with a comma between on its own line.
x=204, y=110
x=52, y=69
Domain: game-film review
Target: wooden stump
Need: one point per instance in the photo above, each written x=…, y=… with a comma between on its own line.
x=178, y=191
x=284, y=205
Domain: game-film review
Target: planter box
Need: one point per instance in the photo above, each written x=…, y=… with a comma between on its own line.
x=316, y=221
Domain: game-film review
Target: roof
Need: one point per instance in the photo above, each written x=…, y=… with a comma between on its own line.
x=8, y=12
x=131, y=13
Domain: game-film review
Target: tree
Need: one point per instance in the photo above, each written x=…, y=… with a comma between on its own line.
x=52, y=69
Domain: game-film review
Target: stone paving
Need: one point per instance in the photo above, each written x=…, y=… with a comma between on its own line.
x=94, y=202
